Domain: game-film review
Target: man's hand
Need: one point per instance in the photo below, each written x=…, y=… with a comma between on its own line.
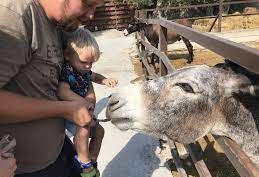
x=80, y=112
x=109, y=82
x=7, y=165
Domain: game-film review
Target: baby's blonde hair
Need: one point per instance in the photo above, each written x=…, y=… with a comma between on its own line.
x=80, y=40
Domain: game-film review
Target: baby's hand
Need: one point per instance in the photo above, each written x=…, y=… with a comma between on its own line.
x=109, y=82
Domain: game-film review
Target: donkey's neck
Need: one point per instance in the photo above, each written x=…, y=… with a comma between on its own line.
x=240, y=123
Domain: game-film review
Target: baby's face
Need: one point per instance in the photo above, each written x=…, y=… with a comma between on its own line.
x=82, y=61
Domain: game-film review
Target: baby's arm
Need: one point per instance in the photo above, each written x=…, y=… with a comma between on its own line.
x=100, y=79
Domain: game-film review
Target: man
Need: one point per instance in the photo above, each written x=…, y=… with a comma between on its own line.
x=7, y=165
x=30, y=61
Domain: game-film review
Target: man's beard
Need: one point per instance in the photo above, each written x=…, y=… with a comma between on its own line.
x=69, y=25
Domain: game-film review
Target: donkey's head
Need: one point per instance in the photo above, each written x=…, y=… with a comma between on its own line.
x=183, y=106
x=131, y=29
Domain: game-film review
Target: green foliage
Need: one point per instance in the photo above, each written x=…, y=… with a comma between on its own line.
x=164, y=3
x=174, y=14
x=137, y=3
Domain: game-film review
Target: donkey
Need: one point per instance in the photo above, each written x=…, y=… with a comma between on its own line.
x=152, y=34
x=191, y=102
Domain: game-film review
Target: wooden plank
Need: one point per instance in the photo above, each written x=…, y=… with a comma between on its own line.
x=164, y=58
x=245, y=56
x=212, y=25
x=111, y=13
x=112, y=17
x=162, y=48
x=143, y=58
x=176, y=159
x=197, y=160
x=213, y=16
x=118, y=27
x=110, y=22
x=244, y=166
x=152, y=74
x=107, y=21
x=107, y=9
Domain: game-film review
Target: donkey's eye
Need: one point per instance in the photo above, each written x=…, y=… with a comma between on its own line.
x=186, y=87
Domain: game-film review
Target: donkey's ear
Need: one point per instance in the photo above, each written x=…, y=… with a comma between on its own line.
x=238, y=84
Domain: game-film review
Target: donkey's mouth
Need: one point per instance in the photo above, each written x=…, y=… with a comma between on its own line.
x=122, y=123
x=125, y=32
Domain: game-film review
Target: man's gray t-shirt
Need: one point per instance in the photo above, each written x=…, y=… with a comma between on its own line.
x=30, y=61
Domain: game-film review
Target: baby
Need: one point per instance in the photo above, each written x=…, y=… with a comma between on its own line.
x=75, y=83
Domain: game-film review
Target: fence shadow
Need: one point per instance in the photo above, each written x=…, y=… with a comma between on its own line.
x=136, y=159
x=100, y=105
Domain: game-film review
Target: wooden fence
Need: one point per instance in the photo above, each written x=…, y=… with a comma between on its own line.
x=244, y=56
x=111, y=16
x=221, y=4
x=117, y=16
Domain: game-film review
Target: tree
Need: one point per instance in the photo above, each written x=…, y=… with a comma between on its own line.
x=173, y=14
x=163, y=3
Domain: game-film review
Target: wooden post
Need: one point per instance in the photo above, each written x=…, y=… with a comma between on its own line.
x=197, y=160
x=213, y=23
x=220, y=15
x=244, y=166
x=162, y=48
x=176, y=158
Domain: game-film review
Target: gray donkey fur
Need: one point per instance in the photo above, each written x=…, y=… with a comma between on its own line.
x=190, y=103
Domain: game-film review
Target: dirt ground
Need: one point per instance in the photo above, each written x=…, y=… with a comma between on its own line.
x=212, y=154
x=178, y=58
x=230, y=23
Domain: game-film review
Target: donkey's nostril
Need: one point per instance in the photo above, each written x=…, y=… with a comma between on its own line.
x=110, y=96
x=112, y=103
x=115, y=103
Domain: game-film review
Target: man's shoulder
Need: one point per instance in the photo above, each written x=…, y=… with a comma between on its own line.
x=19, y=7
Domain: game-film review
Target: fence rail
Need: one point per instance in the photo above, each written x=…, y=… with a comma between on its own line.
x=243, y=55
x=197, y=6
x=218, y=17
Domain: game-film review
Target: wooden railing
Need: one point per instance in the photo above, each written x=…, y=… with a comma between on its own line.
x=111, y=16
x=218, y=17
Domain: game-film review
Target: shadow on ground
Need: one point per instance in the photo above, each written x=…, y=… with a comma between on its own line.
x=100, y=105
x=136, y=159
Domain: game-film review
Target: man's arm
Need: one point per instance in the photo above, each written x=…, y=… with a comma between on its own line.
x=15, y=108
x=90, y=96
